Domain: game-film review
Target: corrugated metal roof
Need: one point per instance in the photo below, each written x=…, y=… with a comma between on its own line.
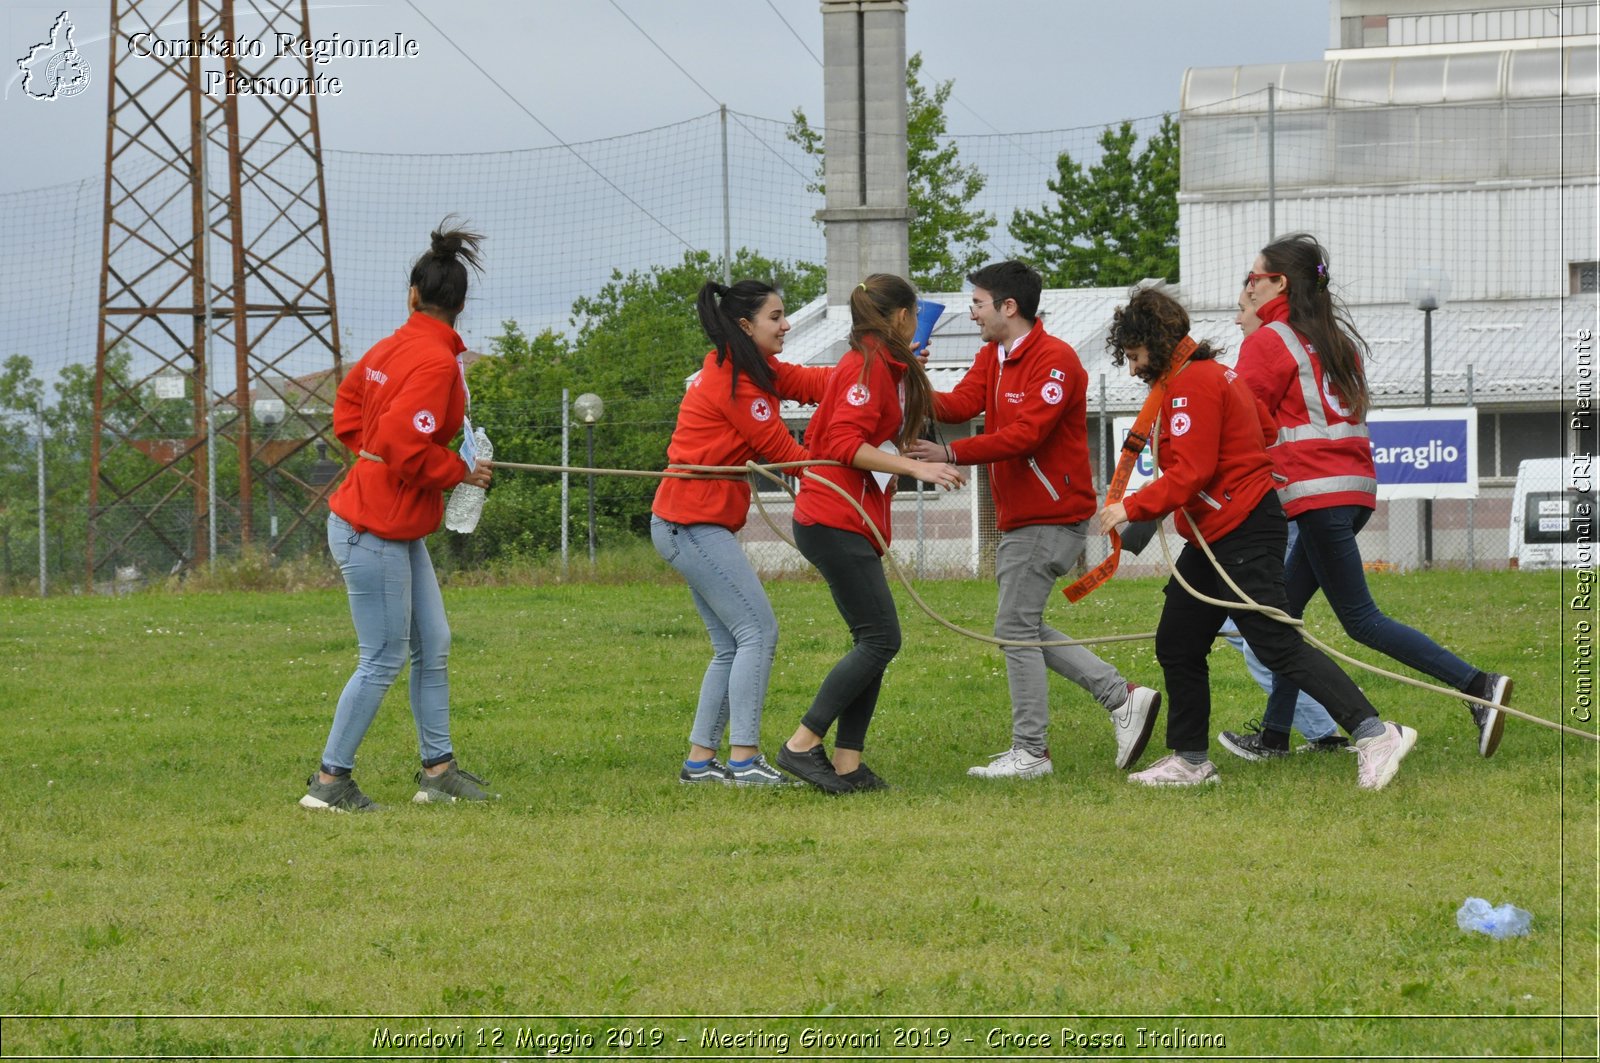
x=1516, y=348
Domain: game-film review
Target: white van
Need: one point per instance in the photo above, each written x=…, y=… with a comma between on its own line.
x=1553, y=513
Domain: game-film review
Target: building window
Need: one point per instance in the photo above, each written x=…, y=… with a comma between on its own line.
x=1582, y=278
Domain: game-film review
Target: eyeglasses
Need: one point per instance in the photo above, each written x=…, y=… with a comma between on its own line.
x=1251, y=278
x=979, y=304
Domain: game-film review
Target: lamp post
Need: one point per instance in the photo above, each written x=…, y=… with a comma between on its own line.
x=1428, y=289
x=590, y=409
x=270, y=412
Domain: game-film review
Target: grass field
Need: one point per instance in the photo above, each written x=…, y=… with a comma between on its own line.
x=155, y=869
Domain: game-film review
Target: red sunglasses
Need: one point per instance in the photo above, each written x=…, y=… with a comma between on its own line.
x=1251, y=278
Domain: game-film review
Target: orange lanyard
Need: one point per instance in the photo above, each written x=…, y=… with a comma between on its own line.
x=1138, y=439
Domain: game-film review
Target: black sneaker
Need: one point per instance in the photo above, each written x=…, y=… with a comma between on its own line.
x=1491, y=722
x=864, y=779
x=1334, y=743
x=1250, y=745
x=814, y=767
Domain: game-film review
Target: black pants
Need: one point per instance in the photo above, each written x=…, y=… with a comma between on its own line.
x=1252, y=555
x=854, y=572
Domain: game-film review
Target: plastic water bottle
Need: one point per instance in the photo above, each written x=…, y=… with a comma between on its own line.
x=465, y=505
x=1503, y=922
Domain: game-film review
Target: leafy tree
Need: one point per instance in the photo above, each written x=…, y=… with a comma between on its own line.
x=1115, y=222
x=69, y=427
x=637, y=341
x=947, y=235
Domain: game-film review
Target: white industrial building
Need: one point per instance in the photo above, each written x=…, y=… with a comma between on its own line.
x=1427, y=145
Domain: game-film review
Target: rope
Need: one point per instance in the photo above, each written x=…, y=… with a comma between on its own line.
x=1246, y=602
x=739, y=472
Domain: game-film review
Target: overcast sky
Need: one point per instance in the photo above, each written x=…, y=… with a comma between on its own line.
x=586, y=72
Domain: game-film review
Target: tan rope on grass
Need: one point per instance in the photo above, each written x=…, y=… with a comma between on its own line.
x=739, y=472
x=1246, y=602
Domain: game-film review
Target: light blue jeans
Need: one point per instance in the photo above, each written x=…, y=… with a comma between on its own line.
x=744, y=632
x=398, y=613
x=1310, y=718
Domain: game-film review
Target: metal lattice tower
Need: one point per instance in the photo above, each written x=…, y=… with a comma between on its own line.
x=218, y=348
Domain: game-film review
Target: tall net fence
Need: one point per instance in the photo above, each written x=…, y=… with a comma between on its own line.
x=1390, y=190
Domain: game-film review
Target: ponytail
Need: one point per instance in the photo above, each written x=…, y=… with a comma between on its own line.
x=872, y=306
x=720, y=310
x=440, y=275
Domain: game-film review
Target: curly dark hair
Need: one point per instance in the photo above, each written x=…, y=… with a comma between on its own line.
x=1156, y=322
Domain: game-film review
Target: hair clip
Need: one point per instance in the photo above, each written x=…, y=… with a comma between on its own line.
x=1322, y=277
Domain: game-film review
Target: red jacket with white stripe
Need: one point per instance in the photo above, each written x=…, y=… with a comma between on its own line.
x=1323, y=453
x=1211, y=447
x=402, y=403
x=861, y=404
x=1035, y=430
x=720, y=424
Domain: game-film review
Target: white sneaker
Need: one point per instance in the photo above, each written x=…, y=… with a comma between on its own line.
x=1014, y=764
x=1173, y=770
x=1135, y=720
x=1379, y=757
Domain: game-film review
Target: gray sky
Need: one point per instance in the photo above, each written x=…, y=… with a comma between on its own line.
x=587, y=73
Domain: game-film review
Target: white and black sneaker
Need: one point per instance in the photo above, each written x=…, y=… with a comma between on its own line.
x=1491, y=722
x=1014, y=763
x=1135, y=719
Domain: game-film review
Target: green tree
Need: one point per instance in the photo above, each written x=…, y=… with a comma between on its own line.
x=947, y=235
x=1115, y=222
x=638, y=339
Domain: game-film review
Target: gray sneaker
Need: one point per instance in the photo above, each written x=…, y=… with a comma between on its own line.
x=712, y=771
x=756, y=773
x=340, y=795
x=452, y=784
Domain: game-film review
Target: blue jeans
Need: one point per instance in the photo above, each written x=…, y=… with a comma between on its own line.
x=398, y=613
x=744, y=632
x=1310, y=718
x=1326, y=557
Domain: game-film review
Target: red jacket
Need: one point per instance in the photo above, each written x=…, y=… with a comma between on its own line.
x=719, y=424
x=1323, y=454
x=1211, y=446
x=1035, y=430
x=402, y=403
x=855, y=409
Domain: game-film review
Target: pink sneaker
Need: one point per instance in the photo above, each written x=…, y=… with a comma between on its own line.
x=1379, y=757
x=1173, y=770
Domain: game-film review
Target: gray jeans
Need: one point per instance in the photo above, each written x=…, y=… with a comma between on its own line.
x=1027, y=564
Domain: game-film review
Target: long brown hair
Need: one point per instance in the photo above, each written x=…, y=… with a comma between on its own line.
x=872, y=306
x=1320, y=318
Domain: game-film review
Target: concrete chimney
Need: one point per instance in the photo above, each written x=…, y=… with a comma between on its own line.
x=866, y=220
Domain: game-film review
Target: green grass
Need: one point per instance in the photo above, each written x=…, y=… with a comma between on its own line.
x=154, y=862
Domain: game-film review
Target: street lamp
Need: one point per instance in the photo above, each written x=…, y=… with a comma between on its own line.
x=590, y=409
x=270, y=412
x=1427, y=289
